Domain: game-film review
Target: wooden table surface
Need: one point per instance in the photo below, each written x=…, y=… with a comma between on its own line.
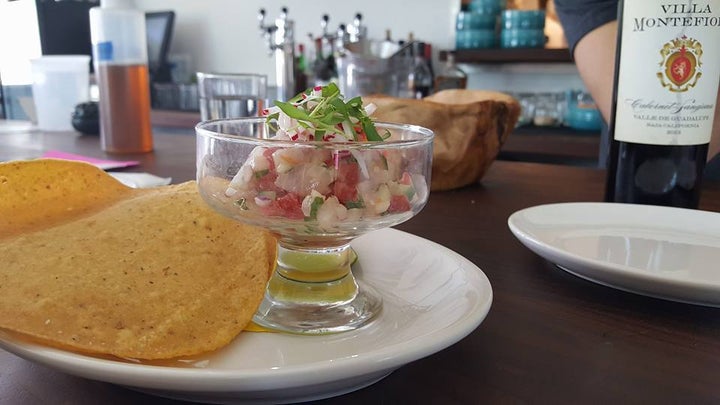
x=550, y=337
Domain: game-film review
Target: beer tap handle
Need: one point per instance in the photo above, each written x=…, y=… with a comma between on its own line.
x=358, y=20
x=324, y=25
x=268, y=35
x=261, y=19
x=282, y=20
x=342, y=34
x=341, y=38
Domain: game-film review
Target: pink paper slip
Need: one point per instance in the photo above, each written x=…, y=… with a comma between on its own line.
x=101, y=163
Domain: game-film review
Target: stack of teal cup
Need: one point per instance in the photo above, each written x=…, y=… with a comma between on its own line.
x=476, y=27
x=522, y=29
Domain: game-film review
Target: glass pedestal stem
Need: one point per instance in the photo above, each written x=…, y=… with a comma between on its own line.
x=313, y=291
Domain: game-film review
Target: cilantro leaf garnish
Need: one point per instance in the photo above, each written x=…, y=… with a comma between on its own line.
x=324, y=111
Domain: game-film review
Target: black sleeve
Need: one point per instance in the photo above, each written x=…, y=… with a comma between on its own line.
x=579, y=17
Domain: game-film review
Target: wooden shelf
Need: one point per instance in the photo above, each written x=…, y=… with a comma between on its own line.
x=558, y=145
x=514, y=55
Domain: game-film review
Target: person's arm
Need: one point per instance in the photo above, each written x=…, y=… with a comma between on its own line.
x=595, y=59
x=714, y=148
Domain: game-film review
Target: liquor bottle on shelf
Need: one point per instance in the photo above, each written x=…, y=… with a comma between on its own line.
x=322, y=70
x=388, y=47
x=324, y=67
x=421, y=76
x=666, y=82
x=300, y=70
x=450, y=76
x=301, y=60
x=427, y=54
x=120, y=56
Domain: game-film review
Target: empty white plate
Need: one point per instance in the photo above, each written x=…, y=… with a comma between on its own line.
x=669, y=253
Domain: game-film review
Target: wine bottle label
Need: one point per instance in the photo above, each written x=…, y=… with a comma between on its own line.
x=669, y=72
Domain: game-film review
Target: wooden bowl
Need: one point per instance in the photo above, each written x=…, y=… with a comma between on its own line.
x=470, y=128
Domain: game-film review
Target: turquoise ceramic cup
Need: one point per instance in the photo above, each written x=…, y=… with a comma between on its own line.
x=474, y=39
x=522, y=19
x=582, y=113
x=488, y=6
x=584, y=119
x=522, y=38
x=475, y=20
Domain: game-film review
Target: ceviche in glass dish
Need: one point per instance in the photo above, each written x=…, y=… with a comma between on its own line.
x=317, y=171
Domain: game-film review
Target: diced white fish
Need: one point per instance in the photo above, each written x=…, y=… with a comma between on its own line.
x=306, y=205
x=257, y=159
x=330, y=213
x=241, y=181
x=306, y=178
x=377, y=200
x=287, y=158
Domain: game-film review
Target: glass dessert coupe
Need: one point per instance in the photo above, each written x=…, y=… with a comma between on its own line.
x=316, y=196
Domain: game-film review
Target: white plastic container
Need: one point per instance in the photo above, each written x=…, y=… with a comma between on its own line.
x=117, y=31
x=59, y=84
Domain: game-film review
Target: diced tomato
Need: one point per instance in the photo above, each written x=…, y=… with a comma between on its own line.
x=348, y=176
x=348, y=171
x=287, y=206
x=267, y=182
x=271, y=210
x=399, y=203
x=291, y=206
x=345, y=192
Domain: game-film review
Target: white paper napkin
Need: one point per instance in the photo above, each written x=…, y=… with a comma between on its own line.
x=140, y=180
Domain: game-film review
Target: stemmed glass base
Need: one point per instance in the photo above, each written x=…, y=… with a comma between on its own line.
x=313, y=291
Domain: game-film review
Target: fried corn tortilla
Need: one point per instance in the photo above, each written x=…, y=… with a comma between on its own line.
x=90, y=265
x=41, y=193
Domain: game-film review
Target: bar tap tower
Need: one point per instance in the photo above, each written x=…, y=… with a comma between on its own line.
x=280, y=41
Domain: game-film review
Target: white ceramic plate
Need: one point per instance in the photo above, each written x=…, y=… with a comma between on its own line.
x=668, y=253
x=433, y=297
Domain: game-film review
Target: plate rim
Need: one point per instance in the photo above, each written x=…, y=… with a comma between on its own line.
x=286, y=377
x=575, y=264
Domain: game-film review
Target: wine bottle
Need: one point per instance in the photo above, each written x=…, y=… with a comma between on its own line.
x=666, y=82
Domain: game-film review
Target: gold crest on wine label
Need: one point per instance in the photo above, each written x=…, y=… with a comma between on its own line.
x=680, y=64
